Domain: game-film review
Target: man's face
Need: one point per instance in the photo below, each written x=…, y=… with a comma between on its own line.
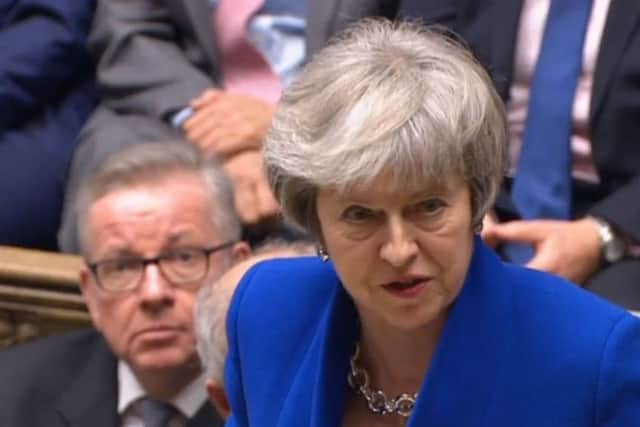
x=151, y=326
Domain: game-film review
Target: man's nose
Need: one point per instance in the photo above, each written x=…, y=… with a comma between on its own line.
x=155, y=291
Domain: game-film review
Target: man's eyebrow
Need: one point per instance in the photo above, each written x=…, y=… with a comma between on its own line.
x=118, y=252
x=176, y=237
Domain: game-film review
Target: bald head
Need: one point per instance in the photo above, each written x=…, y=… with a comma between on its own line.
x=213, y=304
x=211, y=314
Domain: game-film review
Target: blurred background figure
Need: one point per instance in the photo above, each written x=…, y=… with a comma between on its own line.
x=390, y=149
x=156, y=223
x=211, y=315
x=46, y=94
x=207, y=70
x=568, y=73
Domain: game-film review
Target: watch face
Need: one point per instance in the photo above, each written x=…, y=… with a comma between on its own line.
x=614, y=250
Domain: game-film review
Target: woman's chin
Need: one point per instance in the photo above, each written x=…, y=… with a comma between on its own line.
x=415, y=318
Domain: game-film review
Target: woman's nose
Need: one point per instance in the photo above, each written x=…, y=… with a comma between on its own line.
x=399, y=247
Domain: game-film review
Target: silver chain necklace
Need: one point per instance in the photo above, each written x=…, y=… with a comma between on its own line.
x=377, y=400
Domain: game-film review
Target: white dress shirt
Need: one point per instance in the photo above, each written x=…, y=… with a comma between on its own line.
x=187, y=402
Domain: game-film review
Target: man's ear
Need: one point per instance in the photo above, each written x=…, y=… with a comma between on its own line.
x=218, y=398
x=89, y=296
x=240, y=252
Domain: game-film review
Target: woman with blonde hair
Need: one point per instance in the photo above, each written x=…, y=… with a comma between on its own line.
x=389, y=150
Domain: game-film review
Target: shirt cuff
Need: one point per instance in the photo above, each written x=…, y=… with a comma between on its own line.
x=178, y=119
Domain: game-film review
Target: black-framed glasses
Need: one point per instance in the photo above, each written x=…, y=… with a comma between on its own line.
x=181, y=267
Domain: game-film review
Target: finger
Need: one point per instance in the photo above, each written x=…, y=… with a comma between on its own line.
x=202, y=116
x=236, y=138
x=226, y=141
x=206, y=97
x=247, y=204
x=489, y=236
x=517, y=231
x=208, y=123
x=205, y=129
x=542, y=260
x=268, y=206
x=219, y=113
x=193, y=123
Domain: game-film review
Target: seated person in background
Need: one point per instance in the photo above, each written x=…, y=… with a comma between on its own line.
x=389, y=149
x=211, y=315
x=209, y=71
x=332, y=16
x=46, y=94
x=157, y=222
x=568, y=73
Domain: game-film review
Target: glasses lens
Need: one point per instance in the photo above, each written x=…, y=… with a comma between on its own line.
x=119, y=274
x=184, y=266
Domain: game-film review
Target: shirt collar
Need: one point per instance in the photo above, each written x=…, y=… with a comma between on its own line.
x=188, y=401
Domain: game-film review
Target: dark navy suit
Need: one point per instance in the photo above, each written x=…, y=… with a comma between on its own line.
x=46, y=94
x=520, y=348
x=70, y=380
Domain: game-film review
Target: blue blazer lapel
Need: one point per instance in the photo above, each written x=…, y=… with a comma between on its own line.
x=335, y=348
x=317, y=394
x=459, y=386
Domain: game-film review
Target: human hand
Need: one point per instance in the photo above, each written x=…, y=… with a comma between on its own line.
x=570, y=249
x=489, y=221
x=225, y=124
x=253, y=198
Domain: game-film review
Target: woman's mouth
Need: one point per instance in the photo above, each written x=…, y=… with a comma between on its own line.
x=406, y=288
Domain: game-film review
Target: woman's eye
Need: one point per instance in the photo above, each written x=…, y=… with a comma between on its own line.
x=357, y=214
x=430, y=206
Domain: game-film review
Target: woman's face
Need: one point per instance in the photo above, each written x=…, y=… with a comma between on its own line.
x=401, y=255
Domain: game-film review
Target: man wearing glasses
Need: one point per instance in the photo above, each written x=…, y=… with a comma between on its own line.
x=156, y=223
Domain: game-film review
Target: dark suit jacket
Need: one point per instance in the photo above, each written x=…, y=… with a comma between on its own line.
x=520, y=348
x=43, y=56
x=46, y=94
x=331, y=16
x=69, y=380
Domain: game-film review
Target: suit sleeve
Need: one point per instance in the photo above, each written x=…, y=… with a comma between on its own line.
x=141, y=66
x=43, y=48
x=618, y=392
x=324, y=21
x=622, y=209
x=430, y=12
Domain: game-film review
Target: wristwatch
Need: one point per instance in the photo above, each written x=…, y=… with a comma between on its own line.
x=613, y=247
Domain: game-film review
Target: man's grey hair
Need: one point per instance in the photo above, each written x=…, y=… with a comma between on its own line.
x=152, y=163
x=212, y=306
x=382, y=97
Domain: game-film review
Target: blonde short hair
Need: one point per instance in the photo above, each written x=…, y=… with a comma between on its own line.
x=387, y=96
x=214, y=299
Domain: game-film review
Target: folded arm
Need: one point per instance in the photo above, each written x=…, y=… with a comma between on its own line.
x=43, y=51
x=142, y=66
